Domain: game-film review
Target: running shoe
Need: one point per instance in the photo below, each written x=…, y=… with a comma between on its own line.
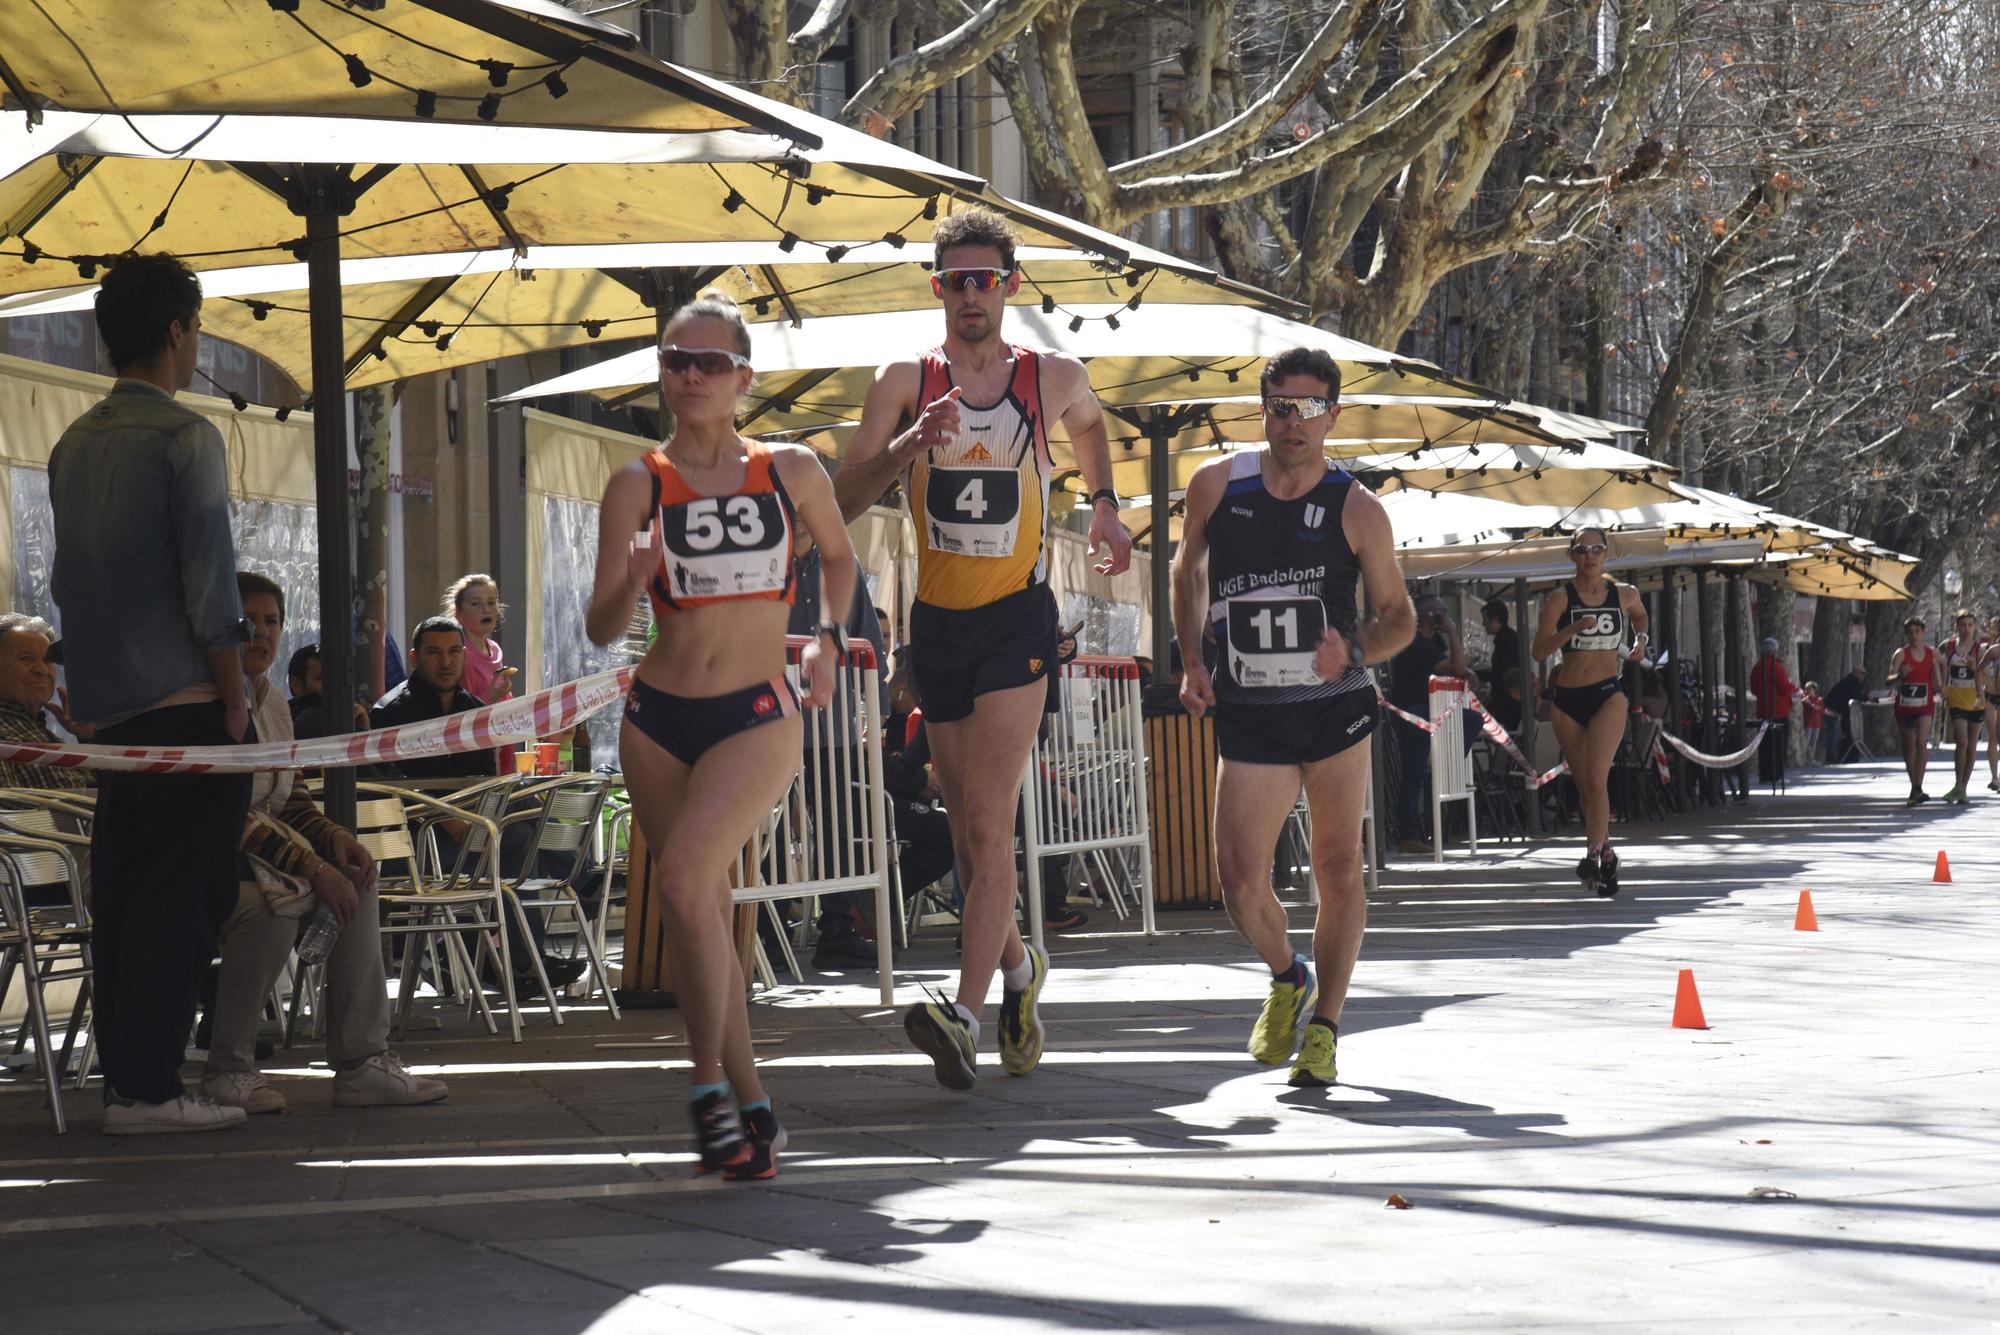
x=718, y=1133
x=1607, y=872
x=1993, y=787
x=1286, y=1011
x=1588, y=871
x=1315, y=1067
x=1923, y=796
x=1914, y=798
x=1020, y=1022
x=942, y=1034
x=766, y=1140
x=1955, y=795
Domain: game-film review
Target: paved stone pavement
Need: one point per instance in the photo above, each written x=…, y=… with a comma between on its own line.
x=1573, y=1162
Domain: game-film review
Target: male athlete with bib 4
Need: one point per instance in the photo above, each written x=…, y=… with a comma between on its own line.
x=1273, y=644
x=965, y=426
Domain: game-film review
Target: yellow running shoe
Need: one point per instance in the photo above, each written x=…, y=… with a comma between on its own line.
x=1286, y=1010
x=942, y=1034
x=1315, y=1066
x=1020, y=1023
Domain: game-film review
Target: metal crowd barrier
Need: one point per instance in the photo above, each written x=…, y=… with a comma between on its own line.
x=830, y=832
x=1451, y=765
x=1085, y=788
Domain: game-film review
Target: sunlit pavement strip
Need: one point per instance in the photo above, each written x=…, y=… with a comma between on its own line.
x=1572, y=1161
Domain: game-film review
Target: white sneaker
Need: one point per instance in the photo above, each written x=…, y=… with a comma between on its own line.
x=248, y=1090
x=189, y=1112
x=383, y=1081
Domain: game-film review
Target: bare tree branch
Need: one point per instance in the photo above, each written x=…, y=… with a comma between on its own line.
x=896, y=89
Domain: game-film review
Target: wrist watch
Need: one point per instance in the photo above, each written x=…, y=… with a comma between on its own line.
x=1104, y=494
x=1356, y=655
x=839, y=634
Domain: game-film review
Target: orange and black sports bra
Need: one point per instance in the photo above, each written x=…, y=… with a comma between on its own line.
x=717, y=549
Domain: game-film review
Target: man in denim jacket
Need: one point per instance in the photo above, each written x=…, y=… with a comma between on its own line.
x=153, y=631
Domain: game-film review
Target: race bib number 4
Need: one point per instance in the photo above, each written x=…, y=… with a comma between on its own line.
x=973, y=511
x=725, y=546
x=1272, y=640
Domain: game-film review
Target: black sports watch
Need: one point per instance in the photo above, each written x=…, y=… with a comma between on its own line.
x=839, y=634
x=1105, y=494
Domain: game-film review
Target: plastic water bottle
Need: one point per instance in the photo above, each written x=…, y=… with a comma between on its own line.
x=320, y=934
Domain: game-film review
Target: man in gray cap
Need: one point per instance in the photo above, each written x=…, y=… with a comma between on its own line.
x=1772, y=686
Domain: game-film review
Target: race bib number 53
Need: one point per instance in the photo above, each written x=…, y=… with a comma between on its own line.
x=1272, y=640
x=725, y=546
x=973, y=511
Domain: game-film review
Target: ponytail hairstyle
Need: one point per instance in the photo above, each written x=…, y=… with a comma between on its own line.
x=717, y=305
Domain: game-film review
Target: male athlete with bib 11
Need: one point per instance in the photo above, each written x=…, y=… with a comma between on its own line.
x=1272, y=643
x=966, y=426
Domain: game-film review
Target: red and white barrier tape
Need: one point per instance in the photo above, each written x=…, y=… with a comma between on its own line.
x=1734, y=758
x=1488, y=725
x=554, y=710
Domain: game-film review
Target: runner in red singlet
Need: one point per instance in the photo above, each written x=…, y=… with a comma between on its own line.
x=1916, y=675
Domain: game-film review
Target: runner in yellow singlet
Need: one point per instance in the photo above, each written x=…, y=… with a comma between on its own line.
x=965, y=426
x=1966, y=711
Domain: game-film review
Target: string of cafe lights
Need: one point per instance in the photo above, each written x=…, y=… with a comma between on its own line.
x=499, y=73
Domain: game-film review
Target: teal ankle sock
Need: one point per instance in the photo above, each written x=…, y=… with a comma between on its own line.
x=759, y=1105
x=696, y=1093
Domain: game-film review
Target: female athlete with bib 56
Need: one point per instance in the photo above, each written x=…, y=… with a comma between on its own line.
x=1586, y=620
x=707, y=525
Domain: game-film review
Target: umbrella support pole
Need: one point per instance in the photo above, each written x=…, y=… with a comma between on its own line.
x=324, y=194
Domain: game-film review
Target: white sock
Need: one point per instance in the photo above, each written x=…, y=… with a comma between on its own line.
x=971, y=1021
x=1017, y=978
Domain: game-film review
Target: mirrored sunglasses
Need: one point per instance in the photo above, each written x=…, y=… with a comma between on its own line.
x=709, y=361
x=960, y=280
x=1295, y=406
x=1588, y=549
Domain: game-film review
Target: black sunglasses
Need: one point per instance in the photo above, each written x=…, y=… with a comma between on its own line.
x=709, y=361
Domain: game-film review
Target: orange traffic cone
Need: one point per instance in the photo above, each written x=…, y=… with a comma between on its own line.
x=1687, y=1004
x=1805, y=921
x=1942, y=876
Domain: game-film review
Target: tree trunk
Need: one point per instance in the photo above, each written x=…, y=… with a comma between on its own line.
x=372, y=409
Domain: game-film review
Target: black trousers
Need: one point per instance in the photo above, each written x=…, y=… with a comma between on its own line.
x=163, y=881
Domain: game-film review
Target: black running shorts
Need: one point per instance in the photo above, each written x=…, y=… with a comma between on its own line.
x=1972, y=716
x=1583, y=702
x=1293, y=734
x=686, y=727
x=956, y=656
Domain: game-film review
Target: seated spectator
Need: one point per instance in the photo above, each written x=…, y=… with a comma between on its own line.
x=1506, y=644
x=1505, y=703
x=434, y=691
x=294, y=859
x=27, y=688
x=1846, y=693
x=302, y=679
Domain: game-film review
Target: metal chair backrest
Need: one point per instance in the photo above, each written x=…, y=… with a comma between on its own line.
x=34, y=867
x=568, y=822
x=383, y=828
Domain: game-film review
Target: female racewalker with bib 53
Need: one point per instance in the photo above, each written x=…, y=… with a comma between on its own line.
x=1586, y=620
x=707, y=526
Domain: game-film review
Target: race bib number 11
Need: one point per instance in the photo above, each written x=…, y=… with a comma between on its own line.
x=1272, y=640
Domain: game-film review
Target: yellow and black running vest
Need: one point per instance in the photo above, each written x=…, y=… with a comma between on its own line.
x=980, y=504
